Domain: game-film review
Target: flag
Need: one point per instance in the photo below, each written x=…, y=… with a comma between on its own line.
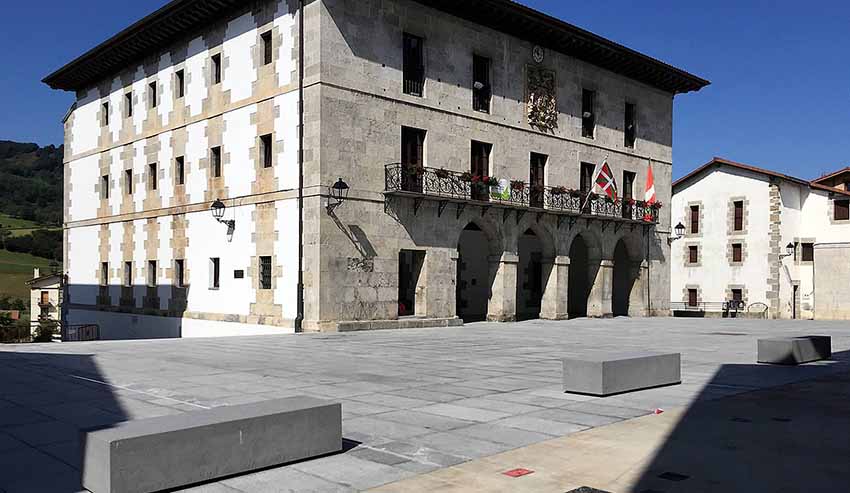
x=604, y=182
x=649, y=196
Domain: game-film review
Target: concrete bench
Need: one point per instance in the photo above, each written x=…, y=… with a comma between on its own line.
x=607, y=374
x=794, y=350
x=178, y=450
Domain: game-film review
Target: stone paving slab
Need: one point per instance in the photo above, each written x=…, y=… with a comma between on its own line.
x=413, y=400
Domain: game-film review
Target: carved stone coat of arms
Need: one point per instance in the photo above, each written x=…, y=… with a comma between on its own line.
x=542, y=103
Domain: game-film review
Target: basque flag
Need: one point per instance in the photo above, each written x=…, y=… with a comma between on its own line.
x=604, y=182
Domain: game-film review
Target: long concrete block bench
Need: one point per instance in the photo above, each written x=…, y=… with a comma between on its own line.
x=178, y=450
x=607, y=374
x=794, y=350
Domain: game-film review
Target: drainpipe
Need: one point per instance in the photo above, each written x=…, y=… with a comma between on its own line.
x=299, y=317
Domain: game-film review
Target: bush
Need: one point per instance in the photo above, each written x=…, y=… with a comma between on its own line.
x=45, y=330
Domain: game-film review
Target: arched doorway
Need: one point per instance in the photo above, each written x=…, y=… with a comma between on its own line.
x=578, y=284
x=473, y=274
x=623, y=280
x=529, y=286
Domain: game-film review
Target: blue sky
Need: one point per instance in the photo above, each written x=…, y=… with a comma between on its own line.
x=780, y=93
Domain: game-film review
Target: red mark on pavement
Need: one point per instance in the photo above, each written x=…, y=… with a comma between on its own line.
x=516, y=473
x=658, y=411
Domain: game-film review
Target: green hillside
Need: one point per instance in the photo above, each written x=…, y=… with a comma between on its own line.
x=16, y=269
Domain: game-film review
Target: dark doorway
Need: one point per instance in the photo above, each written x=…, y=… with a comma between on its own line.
x=480, y=167
x=412, y=158
x=529, y=286
x=578, y=283
x=624, y=281
x=794, y=301
x=473, y=275
x=628, y=193
x=410, y=264
x=536, y=174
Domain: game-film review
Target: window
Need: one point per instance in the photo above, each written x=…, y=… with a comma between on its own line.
x=215, y=161
x=266, y=150
x=128, y=104
x=737, y=252
x=151, y=273
x=152, y=94
x=104, y=187
x=215, y=273
x=536, y=175
x=629, y=126
x=128, y=274
x=694, y=219
x=588, y=115
x=739, y=215
x=737, y=294
x=586, y=177
x=152, y=181
x=265, y=272
x=128, y=181
x=179, y=170
x=841, y=209
x=216, y=69
x=104, y=273
x=180, y=83
x=628, y=193
x=45, y=297
x=693, y=254
x=412, y=157
x=104, y=114
x=479, y=165
x=807, y=252
x=179, y=273
x=481, y=93
x=266, y=41
x=413, y=65
x=692, y=297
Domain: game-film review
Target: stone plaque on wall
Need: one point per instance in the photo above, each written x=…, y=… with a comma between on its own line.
x=542, y=102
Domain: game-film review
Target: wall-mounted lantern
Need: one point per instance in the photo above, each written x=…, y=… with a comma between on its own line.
x=217, y=208
x=789, y=250
x=679, y=229
x=338, y=193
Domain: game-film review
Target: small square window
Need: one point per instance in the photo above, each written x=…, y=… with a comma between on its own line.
x=104, y=187
x=152, y=178
x=179, y=273
x=693, y=298
x=215, y=161
x=737, y=294
x=265, y=268
x=128, y=181
x=694, y=219
x=128, y=104
x=152, y=99
x=268, y=51
x=807, y=252
x=841, y=209
x=266, y=150
x=179, y=170
x=215, y=273
x=737, y=252
x=739, y=215
x=180, y=83
x=216, y=69
x=693, y=254
x=413, y=65
x=128, y=274
x=104, y=114
x=151, y=273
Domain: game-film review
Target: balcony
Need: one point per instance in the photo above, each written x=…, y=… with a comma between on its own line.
x=463, y=188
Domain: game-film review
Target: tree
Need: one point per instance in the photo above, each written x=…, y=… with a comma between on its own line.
x=4, y=233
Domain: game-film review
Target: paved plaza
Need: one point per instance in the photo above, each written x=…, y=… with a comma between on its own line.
x=414, y=401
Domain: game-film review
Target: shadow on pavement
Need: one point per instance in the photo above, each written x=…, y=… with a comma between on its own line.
x=787, y=438
x=45, y=399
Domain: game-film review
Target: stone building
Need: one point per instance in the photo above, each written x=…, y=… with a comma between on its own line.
x=413, y=104
x=777, y=243
x=45, y=296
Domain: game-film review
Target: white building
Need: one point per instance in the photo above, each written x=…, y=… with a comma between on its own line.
x=775, y=242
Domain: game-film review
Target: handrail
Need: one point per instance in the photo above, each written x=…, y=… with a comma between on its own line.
x=464, y=186
x=709, y=306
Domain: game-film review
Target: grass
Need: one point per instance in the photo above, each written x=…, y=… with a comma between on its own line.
x=16, y=270
x=21, y=227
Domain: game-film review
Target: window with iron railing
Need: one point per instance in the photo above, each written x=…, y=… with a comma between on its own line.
x=412, y=158
x=413, y=65
x=481, y=93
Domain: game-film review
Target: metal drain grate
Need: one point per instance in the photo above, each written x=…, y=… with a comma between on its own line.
x=673, y=476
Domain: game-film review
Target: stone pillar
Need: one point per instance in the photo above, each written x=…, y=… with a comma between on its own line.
x=554, y=306
x=638, y=297
x=503, y=272
x=599, y=301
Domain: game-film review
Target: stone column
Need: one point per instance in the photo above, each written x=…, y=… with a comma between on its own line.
x=503, y=272
x=554, y=306
x=599, y=301
x=637, y=298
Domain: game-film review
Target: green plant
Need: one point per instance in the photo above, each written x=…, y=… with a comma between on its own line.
x=45, y=330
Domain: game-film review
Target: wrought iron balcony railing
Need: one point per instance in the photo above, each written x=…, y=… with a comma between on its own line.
x=465, y=187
